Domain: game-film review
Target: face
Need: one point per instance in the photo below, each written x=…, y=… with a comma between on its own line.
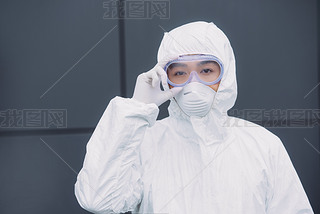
x=207, y=71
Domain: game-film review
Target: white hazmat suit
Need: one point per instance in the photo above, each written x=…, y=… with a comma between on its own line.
x=182, y=164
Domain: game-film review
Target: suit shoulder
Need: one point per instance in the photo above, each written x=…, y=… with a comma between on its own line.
x=253, y=130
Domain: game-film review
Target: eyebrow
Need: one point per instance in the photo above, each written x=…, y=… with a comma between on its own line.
x=177, y=64
x=207, y=62
x=173, y=65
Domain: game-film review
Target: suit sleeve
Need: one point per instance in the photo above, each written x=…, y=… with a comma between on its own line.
x=286, y=194
x=110, y=180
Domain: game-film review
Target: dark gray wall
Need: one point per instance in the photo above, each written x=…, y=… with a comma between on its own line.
x=70, y=46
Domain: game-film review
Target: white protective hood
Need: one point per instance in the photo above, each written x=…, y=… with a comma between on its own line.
x=204, y=38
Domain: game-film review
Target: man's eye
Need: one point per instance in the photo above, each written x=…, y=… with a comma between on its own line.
x=206, y=71
x=180, y=73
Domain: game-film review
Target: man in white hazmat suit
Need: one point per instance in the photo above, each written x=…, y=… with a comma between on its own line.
x=197, y=160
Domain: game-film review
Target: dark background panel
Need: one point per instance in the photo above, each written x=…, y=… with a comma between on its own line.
x=59, y=55
x=38, y=173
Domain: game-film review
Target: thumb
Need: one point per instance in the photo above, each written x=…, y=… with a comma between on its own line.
x=168, y=94
x=174, y=91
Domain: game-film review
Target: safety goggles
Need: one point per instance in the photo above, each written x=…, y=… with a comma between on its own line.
x=203, y=68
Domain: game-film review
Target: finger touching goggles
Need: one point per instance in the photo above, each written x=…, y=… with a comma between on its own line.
x=206, y=69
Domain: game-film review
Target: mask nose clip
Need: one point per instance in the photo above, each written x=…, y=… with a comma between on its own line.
x=193, y=77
